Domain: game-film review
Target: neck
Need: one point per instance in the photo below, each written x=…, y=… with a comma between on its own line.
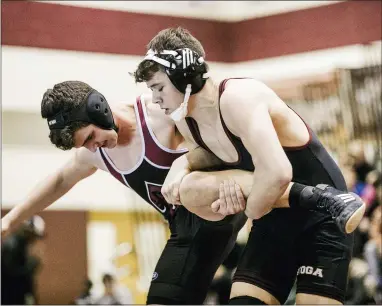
x=206, y=99
x=126, y=121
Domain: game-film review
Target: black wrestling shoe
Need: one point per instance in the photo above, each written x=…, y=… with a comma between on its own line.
x=346, y=208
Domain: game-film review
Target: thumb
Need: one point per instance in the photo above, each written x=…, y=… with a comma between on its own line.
x=215, y=206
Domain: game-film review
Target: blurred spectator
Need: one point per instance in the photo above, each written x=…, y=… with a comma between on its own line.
x=358, y=161
x=370, y=192
x=113, y=294
x=20, y=259
x=356, y=291
x=85, y=297
x=373, y=255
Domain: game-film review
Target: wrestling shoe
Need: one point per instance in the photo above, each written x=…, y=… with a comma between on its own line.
x=346, y=208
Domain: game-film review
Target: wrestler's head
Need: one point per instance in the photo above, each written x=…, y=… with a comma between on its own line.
x=78, y=116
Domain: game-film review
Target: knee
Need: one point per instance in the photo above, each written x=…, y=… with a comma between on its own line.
x=193, y=188
x=250, y=294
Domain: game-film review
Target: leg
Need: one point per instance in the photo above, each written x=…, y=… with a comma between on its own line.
x=267, y=267
x=191, y=257
x=200, y=189
x=312, y=299
x=324, y=255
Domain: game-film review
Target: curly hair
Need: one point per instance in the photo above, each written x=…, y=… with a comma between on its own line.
x=167, y=39
x=64, y=97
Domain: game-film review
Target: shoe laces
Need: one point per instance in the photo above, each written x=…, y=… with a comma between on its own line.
x=331, y=204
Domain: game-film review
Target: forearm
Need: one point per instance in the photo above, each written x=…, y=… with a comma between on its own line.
x=43, y=195
x=267, y=192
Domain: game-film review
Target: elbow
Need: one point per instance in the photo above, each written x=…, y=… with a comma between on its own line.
x=284, y=176
x=281, y=174
x=276, y=182
x=255, y=214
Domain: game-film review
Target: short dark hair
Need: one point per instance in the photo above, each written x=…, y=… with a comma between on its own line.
x=167, y=39
x=107, y=278
x=64, y=97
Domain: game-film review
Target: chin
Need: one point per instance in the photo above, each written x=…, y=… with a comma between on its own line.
x=112, y=145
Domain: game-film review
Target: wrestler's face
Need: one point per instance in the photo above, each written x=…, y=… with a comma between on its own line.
x=164, y=92
x=92, y=137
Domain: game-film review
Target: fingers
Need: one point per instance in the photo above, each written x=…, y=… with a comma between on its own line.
x=240, y=197
x=228, y=198
x=233, y=194
x=231, y=199
x=171, y=194
x=215, y=206
x=175, y=195
x=222, y=202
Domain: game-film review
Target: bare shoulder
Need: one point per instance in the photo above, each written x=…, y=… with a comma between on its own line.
x=123, y=106
x=85, y=158
x=247, y=91
x=245, y=99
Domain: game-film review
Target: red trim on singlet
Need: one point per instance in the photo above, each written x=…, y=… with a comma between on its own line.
x=286, y=148
x=309, y=140
x=114, y=172
x=153, y=152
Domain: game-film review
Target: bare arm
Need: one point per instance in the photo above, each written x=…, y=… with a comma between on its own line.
x=200, y=159
x=196, y=159
x=49, y=190
x=248, y=117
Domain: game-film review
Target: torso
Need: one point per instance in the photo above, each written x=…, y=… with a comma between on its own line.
x=143, y=164
x=310, y=161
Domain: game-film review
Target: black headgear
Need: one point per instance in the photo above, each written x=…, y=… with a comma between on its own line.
x=183, y=67
x=96, y=110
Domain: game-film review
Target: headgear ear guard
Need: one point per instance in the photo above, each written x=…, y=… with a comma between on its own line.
x=96, y=110
x=186, y=70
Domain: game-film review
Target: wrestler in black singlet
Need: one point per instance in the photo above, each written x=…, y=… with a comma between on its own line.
x=294, y=242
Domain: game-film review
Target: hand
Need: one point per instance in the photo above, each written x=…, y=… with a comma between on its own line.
x=231, y=199
x=170, y=188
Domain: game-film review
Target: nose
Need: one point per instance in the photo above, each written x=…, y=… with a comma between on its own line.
x=156, y=98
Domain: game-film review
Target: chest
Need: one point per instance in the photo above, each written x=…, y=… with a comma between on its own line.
x=124, y=158
x=215, y=138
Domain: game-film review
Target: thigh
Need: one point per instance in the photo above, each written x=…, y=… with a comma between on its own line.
x=269, y=259
x=191, y=257
x=324, y=258
x=312, y=299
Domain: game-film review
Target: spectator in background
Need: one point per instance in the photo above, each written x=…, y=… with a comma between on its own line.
x=20, y=259
x=373, y=256
x=359, y=162
x=113, y=294
x=85, y=297
x=369, y=193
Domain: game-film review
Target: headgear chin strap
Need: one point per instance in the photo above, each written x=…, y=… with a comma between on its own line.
x=186, y=70
x=96, y=110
